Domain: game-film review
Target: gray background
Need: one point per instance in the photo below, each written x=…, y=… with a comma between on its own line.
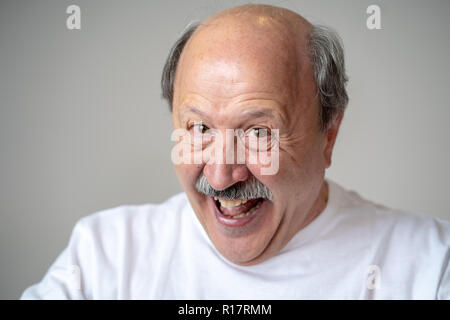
x=83, y=127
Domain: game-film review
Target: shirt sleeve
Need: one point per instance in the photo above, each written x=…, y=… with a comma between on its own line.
x=64, y=279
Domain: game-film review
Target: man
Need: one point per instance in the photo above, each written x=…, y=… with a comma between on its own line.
x=266, y=74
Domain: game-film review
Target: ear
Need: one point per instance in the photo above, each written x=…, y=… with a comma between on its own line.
x=331, y=134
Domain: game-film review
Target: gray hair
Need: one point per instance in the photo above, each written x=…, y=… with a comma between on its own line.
x=327, y=57
x=251, y=188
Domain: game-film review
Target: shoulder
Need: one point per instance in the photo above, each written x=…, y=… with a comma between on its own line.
x=112, y=230
x=134, y=215
x=411, y=248
x=110, y=244
x=122, y=238
x=355, y=209
x=393, y=233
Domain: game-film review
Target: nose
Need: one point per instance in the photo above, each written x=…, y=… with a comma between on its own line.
x=222, y=176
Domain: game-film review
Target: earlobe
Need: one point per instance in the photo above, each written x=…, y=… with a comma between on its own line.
x=331, y=135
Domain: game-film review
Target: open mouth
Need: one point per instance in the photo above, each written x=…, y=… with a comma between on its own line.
x=236, y=213
x=236, y=209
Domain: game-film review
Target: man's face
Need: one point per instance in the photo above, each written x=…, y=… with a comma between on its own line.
x=231, y=79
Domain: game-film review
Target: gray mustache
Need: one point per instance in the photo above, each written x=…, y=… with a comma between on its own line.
x=249, y=189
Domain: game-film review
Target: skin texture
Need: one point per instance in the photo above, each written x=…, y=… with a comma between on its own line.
x=244, y=59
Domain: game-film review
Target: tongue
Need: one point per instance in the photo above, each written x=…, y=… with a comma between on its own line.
x=234, y=211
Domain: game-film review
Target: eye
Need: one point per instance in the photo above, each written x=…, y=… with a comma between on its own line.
x=200, y=127
x=259, y=132
x=258, y=139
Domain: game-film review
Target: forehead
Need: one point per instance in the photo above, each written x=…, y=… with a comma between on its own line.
x=228, y=61
x=229, y=66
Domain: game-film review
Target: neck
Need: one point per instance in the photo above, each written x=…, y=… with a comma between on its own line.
x=319, y=205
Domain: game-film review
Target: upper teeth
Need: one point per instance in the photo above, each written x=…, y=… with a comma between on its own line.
x=230, y=203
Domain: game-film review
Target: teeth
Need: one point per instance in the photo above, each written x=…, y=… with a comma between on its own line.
x=249, y=212
x=230, y=203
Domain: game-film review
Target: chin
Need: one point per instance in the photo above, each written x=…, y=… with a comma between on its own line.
x=243, y=237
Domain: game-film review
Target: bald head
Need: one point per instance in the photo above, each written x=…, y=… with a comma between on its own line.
x=252, y=34
x=255, y=44
x=264, y=35
x=264, y=15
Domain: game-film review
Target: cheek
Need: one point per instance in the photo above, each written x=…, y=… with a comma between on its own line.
x=188, y=175
x=276, y=183
x=297, y=170
x=303, y=157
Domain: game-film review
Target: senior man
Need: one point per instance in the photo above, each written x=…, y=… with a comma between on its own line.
x=237, y=233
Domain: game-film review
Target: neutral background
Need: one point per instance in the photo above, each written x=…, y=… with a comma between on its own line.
x=83, y=127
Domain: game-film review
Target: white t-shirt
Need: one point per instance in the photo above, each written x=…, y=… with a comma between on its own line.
x=354, y=249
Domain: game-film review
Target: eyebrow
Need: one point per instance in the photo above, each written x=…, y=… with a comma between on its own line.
x=196, y=111
x=252, y=113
